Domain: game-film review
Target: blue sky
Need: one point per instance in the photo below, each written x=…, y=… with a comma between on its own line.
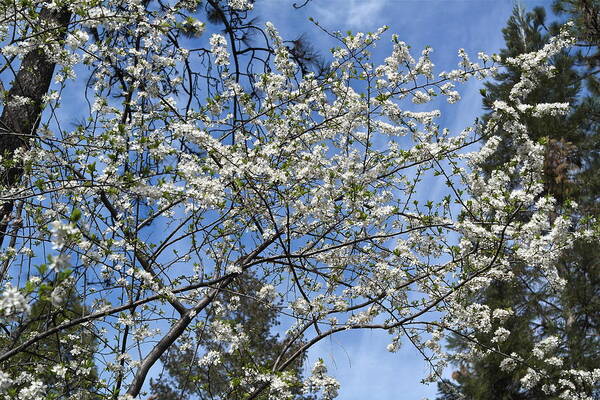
x=359, y=360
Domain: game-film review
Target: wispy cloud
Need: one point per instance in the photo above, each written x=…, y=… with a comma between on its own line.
x=351, y=14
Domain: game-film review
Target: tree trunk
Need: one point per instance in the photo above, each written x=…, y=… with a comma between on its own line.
x=19, y=122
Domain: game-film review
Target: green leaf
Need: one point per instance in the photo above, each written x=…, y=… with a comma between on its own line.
x=42, y=269
x=75, y=215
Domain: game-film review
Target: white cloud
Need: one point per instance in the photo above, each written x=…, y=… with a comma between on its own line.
x=351, y=14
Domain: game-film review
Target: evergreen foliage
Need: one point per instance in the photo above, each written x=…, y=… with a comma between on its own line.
x=72, y=352
x=185, y=377
x=570, y=167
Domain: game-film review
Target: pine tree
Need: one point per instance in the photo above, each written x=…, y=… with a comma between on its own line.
x=73, y=351
x=586, y=18
x=571, y=160
x=184, y=376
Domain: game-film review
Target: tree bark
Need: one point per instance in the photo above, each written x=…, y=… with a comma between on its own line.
x=19, y=122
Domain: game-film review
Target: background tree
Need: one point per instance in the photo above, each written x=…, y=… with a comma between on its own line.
x=65, y=362
x=20, y=119
x=569, y=174
x=186, y=377
x=586, y=17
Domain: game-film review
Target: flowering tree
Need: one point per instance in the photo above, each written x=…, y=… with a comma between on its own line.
x=193, y=171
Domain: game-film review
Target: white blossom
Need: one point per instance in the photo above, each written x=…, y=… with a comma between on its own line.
x=219, y=49
x=12, y=301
